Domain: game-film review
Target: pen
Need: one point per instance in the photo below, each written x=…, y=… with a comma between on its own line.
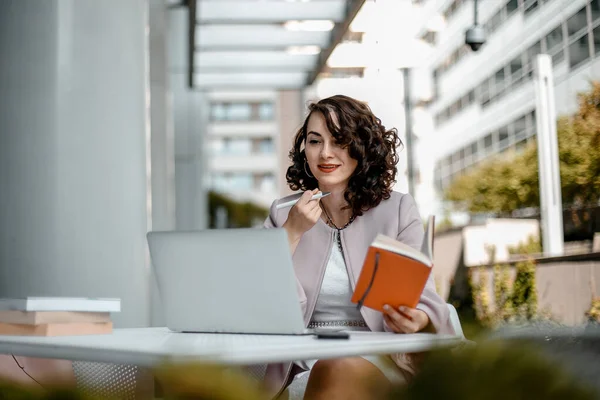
x=291, y=203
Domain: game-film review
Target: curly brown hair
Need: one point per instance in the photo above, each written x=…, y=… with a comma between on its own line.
x=367, y=141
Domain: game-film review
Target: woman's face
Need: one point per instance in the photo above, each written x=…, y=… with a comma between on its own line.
x=330, y=164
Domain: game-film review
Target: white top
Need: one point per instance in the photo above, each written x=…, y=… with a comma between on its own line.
x=333, y=304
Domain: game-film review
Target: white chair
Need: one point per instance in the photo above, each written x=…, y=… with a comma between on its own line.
x=127, y=382
x=455, y=321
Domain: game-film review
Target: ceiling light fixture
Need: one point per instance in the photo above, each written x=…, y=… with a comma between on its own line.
x=309, y=25
x=303, y=50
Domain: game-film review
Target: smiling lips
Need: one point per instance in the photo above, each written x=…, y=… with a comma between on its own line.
x=327, y=168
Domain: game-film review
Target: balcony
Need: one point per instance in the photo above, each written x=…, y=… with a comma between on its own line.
x=243, y=163
x=247, y=129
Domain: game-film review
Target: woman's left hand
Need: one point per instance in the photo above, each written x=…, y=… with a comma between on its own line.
x=405, y=319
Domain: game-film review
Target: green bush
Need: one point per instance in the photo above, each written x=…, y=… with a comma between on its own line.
x=515, y=300
x=492, y=370
x=593, y=313
x=239, y=215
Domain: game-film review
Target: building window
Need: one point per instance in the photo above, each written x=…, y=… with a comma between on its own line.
x=555, y=45
x=499, y=78
x=595, y=10
x=494, y=22
x=531, y=54
x=503, y=141
x=266, y=112
x=530, y=6
x=516, y=66
x=232, y=181
x=579, y=51
x=471, y=95
x=554, y=39
x=242, y=112
x=512, y=6
x=263, y=146
x=265, y=182
x=558, y=57
x=429, y=37
x=520, y=129
x=597, y=40
x=514, y=135
x=239, y=112
x=237, y=147
x=218, y=112
x=474, y=149
x=520, y=146
x=484, y=92
x=577, y=23
x=216, y=146
x=531, y=124
x=488, y=142
x=453, y=8
x=516, y=71
x=519, y=70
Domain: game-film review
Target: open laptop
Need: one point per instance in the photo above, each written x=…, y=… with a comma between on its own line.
x=228, y=281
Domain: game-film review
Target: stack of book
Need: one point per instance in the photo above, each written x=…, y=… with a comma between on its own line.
x=57, y=316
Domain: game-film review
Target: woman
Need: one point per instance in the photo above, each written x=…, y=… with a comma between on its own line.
x=344, y=149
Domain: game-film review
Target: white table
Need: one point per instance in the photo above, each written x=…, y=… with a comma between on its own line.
x=149, y=347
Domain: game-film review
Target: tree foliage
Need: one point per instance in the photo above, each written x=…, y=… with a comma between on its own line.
x=239, y=215
x=509, y=182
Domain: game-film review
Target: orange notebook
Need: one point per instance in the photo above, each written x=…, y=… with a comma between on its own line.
x=394, y=273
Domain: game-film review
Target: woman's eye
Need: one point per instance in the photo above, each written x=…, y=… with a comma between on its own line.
x=313, y=141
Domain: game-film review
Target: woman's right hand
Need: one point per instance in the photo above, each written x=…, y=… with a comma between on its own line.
x=303, y=216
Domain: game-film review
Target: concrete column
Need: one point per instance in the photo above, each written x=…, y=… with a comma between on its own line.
x=290, y=117
x=190, y=161
x=190, y=117
x=163, y=140
x=74, y=173
x=161, y=121
x=548, y=161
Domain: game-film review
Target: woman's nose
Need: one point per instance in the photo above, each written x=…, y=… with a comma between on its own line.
x=326, y=151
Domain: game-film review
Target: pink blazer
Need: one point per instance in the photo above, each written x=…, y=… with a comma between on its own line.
x=396, y=217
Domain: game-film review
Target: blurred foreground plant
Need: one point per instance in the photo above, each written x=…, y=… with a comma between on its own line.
x=206, y=382
x=191, y=381
x=493, y=370
x=593, y=313
x=18, y=391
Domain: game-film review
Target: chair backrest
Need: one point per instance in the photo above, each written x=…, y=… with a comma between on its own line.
x=113, y=380
x=455, y=321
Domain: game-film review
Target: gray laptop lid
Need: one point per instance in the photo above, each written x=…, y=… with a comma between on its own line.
x=229, y=280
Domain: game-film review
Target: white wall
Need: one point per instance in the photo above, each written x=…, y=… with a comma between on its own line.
x=74, y=208
x=497, y=233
